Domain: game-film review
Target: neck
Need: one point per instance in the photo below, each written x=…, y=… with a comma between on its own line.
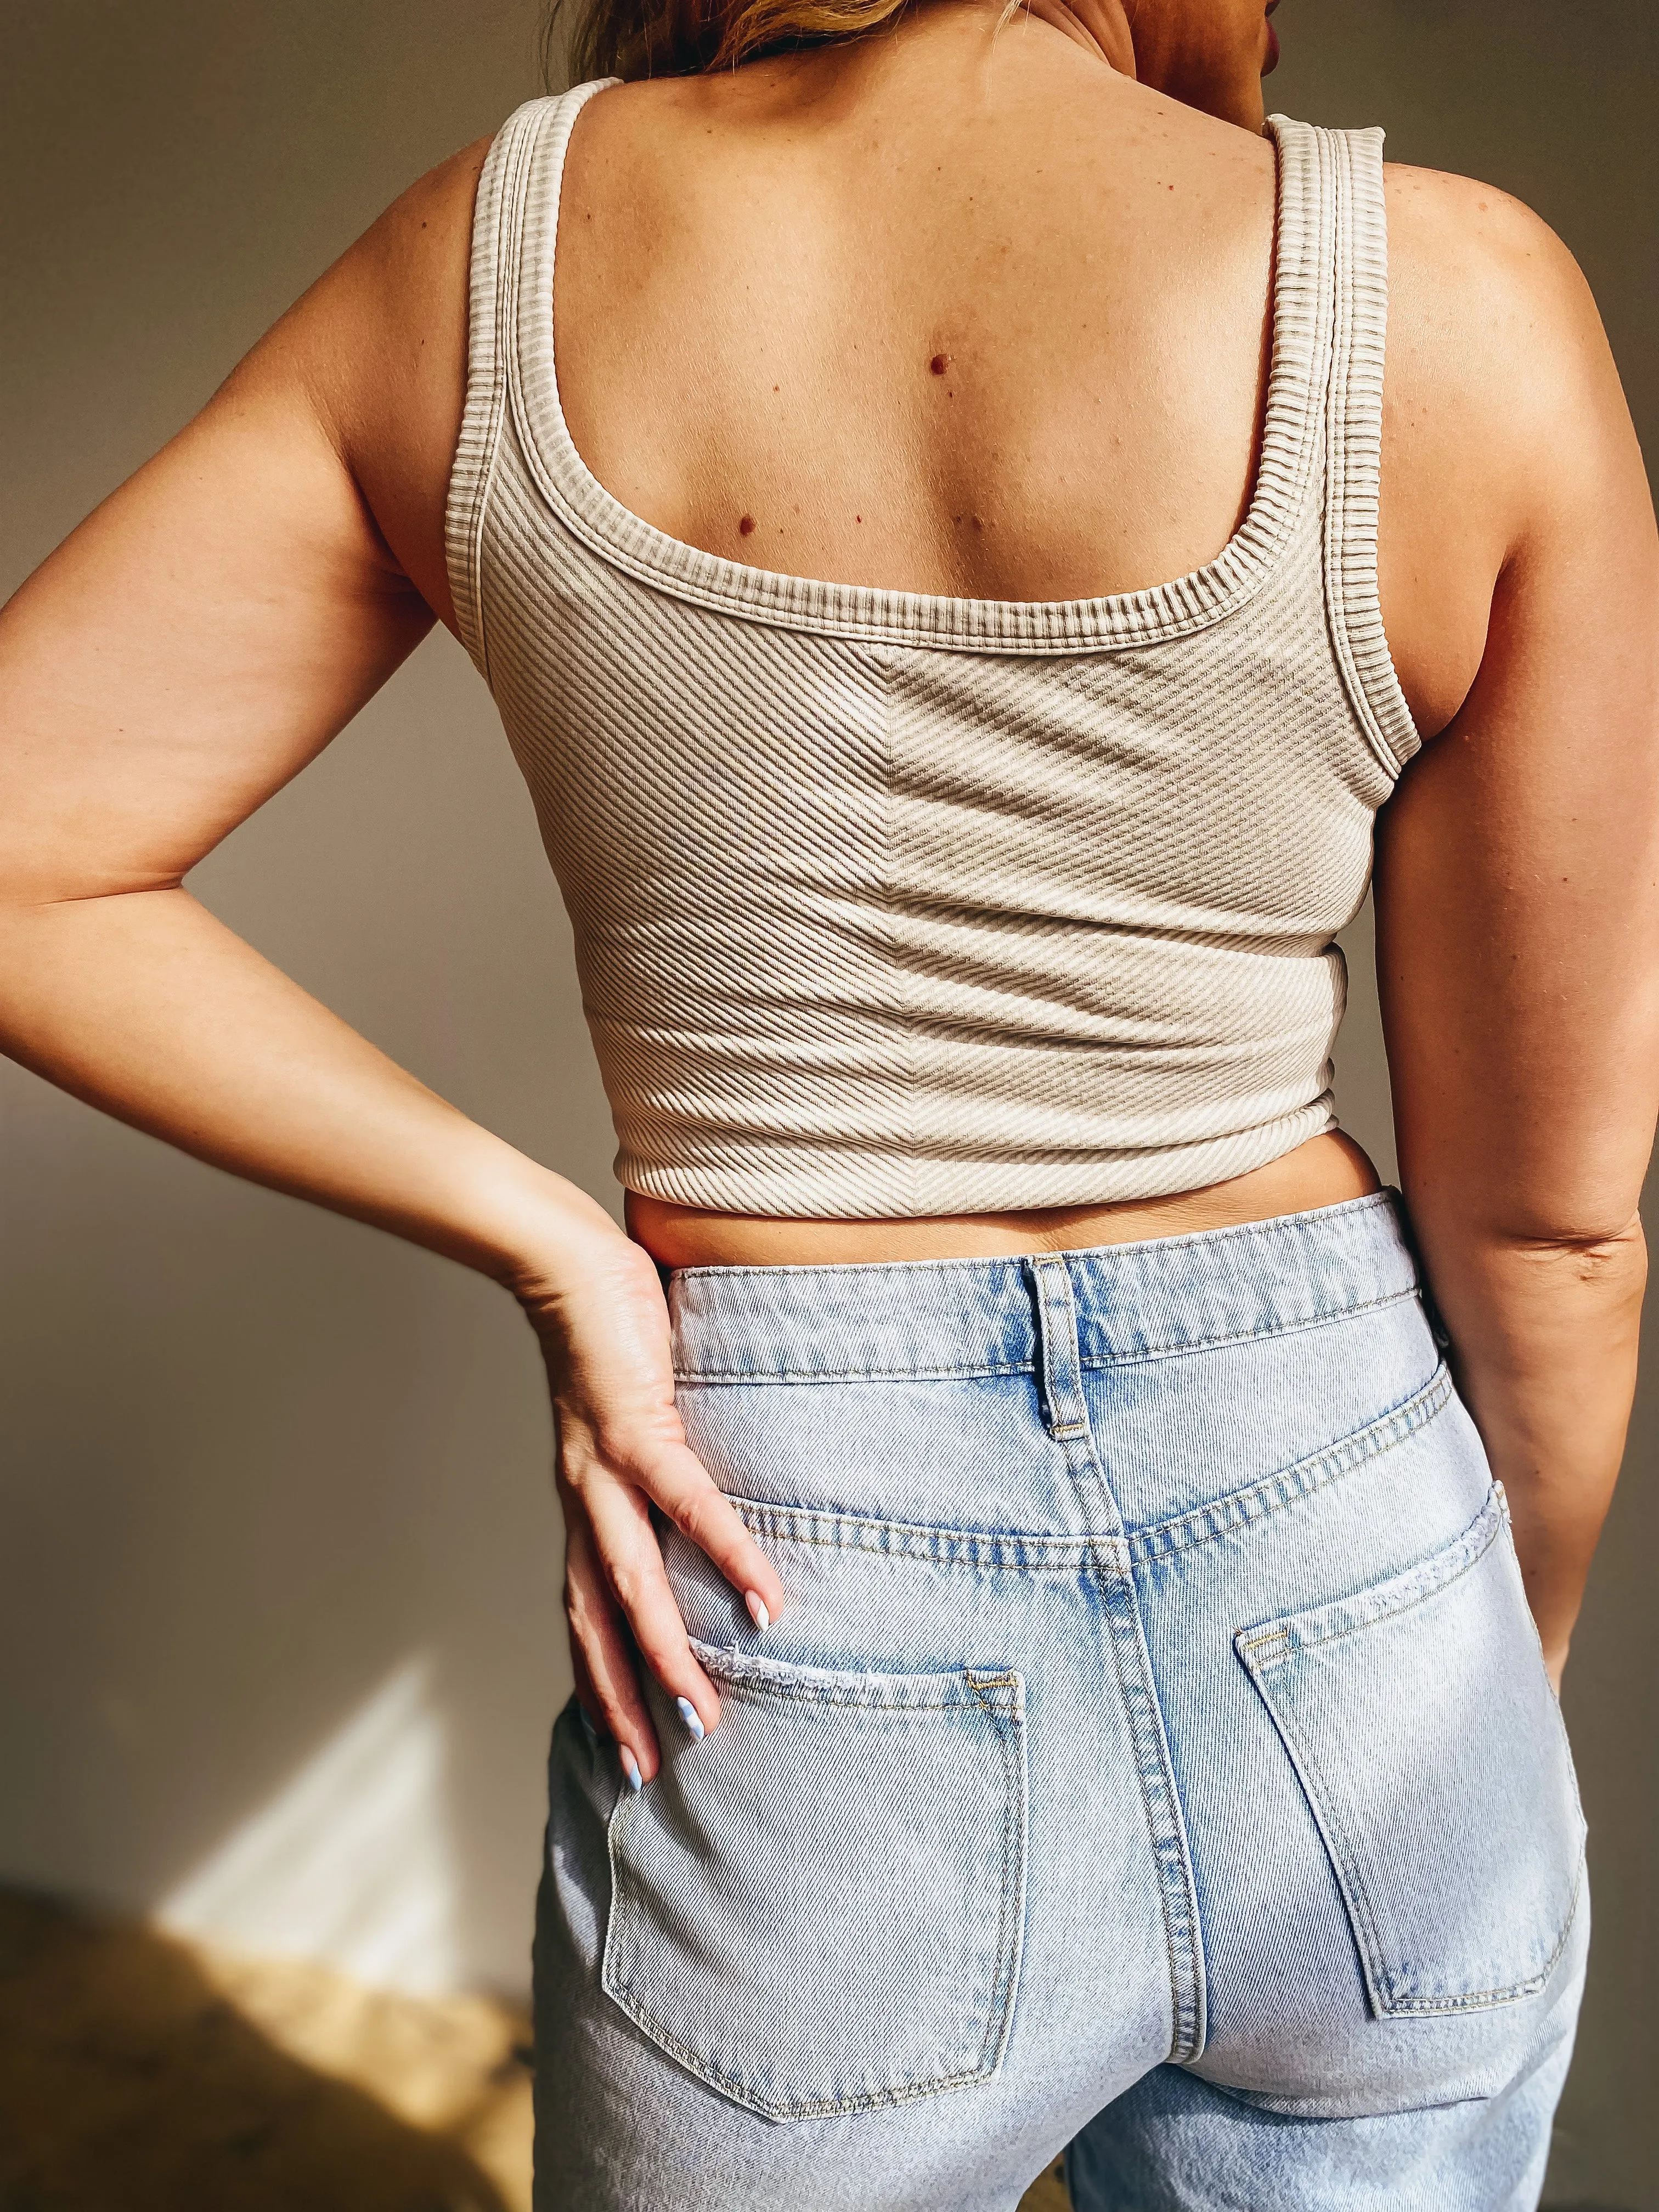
x=1155, y=48
x=1102, y=26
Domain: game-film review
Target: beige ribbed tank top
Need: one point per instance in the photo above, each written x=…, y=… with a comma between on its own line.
x=888, y=904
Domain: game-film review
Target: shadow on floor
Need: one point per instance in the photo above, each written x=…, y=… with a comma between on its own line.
x=130, y=2082
x=140, y=2074
x=1046, y=2194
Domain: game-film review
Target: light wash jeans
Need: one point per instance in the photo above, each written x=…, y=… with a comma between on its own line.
x=1155, y=1757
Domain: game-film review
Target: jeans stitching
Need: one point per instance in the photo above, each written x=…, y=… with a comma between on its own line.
x=1308, y=1765
x=1489, y=1999
x=740, y=1676
x=1241, y=1508
x=982, y=1549
x=1441, y=1571
x=1176, y=2008
x=1368, y=1935
x=1013, y=1861
x=817, y=2108
x=935, y=1548
x=1381, y=1979
x=1187, y=2036
x=1051, y=1278
x=690, y=1377
x=1327, y=1318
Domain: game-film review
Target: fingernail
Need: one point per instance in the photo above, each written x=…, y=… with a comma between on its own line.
x=757, y=1612
x=630, y=1767
x=689, y=1715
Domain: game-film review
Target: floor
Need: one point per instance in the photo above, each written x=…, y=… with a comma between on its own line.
x=140, y=2073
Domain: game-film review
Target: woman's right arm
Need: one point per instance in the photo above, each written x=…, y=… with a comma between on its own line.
x=191, y=647
x=1518, y=896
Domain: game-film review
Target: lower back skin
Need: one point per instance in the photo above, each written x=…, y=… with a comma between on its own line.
x=1325, y=1171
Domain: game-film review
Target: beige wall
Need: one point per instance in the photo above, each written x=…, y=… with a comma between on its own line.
x=279, y=1634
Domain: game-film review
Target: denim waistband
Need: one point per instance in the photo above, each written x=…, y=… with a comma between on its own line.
x=892, y=1320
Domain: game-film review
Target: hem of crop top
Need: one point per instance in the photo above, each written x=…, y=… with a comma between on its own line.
x=1304, y=333
x=774, y=1179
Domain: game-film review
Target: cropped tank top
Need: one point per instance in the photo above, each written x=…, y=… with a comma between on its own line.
x=888, y=904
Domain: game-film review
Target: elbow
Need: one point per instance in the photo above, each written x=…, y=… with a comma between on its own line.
x=1605, y=1261
x=1588, y=1247
x=1604, y=1246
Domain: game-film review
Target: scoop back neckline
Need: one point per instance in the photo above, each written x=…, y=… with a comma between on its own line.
x=1194, y=601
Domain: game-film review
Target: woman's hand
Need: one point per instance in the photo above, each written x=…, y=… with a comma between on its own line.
x=603, y=1325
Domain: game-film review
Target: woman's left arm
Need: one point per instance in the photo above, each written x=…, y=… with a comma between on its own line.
x=200, y=637
x=197, y=640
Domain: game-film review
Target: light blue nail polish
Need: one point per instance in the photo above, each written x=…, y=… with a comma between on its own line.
x=631, y=1768
x=689, y=1715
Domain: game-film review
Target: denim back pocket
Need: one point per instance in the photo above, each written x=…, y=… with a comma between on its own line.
x=818, y=1909
x=1431, y=1751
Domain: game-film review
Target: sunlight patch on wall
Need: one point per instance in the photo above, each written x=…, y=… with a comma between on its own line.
x=351, y=1860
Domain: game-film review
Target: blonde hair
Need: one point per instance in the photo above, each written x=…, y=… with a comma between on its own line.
x=681, y=38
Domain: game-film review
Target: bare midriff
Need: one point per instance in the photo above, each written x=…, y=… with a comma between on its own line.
x=1325, y=1171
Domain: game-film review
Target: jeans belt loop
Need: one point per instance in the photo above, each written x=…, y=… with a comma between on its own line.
x=1060, y=1364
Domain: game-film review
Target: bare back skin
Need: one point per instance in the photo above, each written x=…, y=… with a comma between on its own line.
x=961, y=310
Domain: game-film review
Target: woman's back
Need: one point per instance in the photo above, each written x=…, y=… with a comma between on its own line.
x=1096, y=426
x=758, y=270
x=934, y=313
x=891, y=905
x=957, y=310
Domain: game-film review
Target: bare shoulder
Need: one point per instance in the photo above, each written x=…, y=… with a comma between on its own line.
x=378, y=346
x=1494, y=337
x=1435, y=214
x=415, y=256
x=1504, y=428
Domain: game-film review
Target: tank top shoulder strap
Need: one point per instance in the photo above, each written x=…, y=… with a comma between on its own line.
x=514, y=218
x=1331, y=317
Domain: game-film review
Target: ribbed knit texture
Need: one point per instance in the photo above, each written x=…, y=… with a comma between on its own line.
x=888, y=904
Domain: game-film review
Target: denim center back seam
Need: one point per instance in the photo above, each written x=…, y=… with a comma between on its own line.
x=1066, y=1415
